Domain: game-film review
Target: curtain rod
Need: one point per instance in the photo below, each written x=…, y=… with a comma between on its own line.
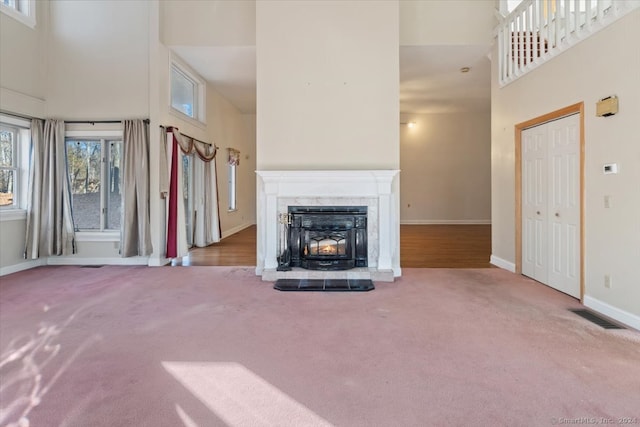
x=93, y=122
x=195, y=139
x=19, y=116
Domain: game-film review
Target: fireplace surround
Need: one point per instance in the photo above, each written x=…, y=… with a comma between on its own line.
x=377, y=190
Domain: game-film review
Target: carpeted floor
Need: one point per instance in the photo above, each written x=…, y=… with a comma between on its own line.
x=215, y=346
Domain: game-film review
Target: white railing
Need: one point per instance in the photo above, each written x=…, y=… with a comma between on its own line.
x=537, y=30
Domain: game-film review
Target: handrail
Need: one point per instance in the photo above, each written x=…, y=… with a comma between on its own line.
x=537, y=30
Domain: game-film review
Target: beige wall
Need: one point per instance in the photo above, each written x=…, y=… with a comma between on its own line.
x=446, y=168
x=23, y=49
x=446, y=22
x=327, y=85
x=600, y=66
x=208, y=23
x=98, y=60
x=22, y=91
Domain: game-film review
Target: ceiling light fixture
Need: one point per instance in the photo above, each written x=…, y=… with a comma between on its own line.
x=465, y=69
x=409, y=124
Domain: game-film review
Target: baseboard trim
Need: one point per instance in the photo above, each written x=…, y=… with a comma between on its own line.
x=615, y=313
x=446, y=222
x=69, y=260
x=27, y=265
x=235, y=230
x=504, y=264
x=158, y=262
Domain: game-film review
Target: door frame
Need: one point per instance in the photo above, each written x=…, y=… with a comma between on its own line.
x=519, y=127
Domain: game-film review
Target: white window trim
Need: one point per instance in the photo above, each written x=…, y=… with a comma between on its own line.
x=200, y=120
x=232, y=205
x=93, y=235
x=18, y=211
x=28, y=19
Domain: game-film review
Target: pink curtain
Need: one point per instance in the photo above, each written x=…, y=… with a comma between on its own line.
x=172, y=222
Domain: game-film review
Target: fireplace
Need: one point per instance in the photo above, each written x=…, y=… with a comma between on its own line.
x=375, y=190
x=325, y=238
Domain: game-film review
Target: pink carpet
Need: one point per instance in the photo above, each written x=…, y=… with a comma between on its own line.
x=215, y=346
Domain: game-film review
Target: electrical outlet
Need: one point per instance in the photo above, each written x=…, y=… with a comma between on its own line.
x=607, y=281
x=607, y=202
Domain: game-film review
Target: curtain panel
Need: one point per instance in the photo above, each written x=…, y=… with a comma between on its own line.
x=206, y=218
x=136, y=228
x=50, y=229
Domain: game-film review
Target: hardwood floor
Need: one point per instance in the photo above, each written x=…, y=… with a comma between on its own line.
x=445, y=246
x=421, y=246
x=238, y=249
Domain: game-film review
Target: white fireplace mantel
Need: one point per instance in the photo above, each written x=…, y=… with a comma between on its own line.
x=376, y=189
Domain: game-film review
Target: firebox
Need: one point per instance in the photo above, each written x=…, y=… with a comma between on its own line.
x=326, y=237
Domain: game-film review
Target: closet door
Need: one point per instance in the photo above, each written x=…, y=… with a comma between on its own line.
x=551, y=204
x=564, y=205
x=534, y=203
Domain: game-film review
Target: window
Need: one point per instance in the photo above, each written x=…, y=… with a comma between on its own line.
x=94, y=167
x=187, y=92
x=21, y=10
x=14, y=156
x=232, y=187
x=233, y=160
x=8, y=166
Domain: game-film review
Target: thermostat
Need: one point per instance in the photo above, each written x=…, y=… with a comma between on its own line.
x=607, y=106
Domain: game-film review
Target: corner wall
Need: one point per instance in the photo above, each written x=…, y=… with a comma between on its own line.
x=446, y=164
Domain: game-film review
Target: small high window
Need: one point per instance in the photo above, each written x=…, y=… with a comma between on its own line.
x=21, y=10
x=187, y=92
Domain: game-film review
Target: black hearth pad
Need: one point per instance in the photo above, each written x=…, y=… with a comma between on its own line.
x=327, y=285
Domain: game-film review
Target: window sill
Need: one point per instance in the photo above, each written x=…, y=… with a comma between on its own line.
x=188, y=119
x=97, y=236
x=12, y=214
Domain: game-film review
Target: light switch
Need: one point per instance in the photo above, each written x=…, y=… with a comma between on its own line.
x=610, y=168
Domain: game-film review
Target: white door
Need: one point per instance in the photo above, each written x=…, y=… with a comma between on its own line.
x=551, y=204
x=534, y=203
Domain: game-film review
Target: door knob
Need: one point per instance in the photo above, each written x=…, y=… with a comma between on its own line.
x=537, y=212
x=557, y=215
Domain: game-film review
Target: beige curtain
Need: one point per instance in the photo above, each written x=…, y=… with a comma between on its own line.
x=50, y=228
x=205, y=188
x=136, y=228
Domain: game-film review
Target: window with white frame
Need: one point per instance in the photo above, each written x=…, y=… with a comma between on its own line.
x=8, y=166
x=14, y=154
x=187, y=92
x=21, y=10
x=94, y=166
x=232, y=188
x=233, y=160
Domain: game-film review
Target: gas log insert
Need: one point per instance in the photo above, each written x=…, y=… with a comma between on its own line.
x=323, y=238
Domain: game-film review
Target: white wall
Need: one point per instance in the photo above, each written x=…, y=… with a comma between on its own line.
x=446, y=165
x=600, y=66
x=328, y=81
x=98, y=60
